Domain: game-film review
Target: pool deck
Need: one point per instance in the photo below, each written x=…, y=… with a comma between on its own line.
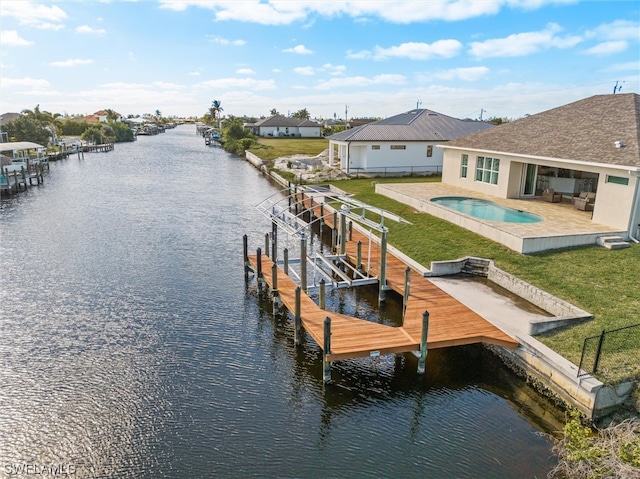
x=563, y=225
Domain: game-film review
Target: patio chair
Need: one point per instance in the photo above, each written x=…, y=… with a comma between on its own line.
x=551, y=196
x=584, y=201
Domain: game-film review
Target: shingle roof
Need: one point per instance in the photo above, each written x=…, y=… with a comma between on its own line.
x=414, y=125
x=585, y=130
x=282, y=121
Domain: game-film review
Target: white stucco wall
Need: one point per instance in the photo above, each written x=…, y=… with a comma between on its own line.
x=362, y=156
x=614, y=204
x=310, y=131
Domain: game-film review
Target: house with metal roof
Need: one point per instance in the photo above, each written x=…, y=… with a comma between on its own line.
x=278, y=126
x=589, y=148
x=404, y=143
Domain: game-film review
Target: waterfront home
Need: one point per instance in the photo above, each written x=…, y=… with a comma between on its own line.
x=585, y=154
x=404, y=143
x=280, y=126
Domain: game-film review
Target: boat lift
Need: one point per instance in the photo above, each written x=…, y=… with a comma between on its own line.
x=293, y=211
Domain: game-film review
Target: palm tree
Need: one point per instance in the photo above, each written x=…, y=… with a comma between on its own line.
x=215, y=110
x=112, y=115
x=50, y=121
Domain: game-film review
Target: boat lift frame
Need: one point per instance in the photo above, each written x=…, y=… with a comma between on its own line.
x=286, y=212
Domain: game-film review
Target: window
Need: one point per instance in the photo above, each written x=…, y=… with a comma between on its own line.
x=463, y=166
x=429, y=151
x=375, y=147
x=398, y=147
x=487, y=170
x=618, y=180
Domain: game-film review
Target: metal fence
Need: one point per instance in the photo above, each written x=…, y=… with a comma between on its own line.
x=613, y=355
x=396, y=171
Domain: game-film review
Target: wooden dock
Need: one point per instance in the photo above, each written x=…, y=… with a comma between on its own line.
x=449, y=322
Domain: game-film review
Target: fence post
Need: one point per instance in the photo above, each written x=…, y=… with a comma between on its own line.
x=599, y=350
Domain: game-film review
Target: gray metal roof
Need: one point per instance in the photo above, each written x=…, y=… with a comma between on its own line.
x=414, y=125
x=19, y=145
x=282, y=121
x=585, y=130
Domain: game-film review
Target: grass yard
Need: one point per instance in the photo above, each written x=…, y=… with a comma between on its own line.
x=606, y=283
x=272, y=148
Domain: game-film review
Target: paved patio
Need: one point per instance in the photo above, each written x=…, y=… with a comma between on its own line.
x=563, y=225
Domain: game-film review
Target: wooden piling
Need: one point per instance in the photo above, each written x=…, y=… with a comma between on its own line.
x=259, y=269
x=266, y=245
x=326, y=364
x=245, y=256
x=343, y=234
x=303, y=263
x=383, y=266
x=285, y=265
x=274, y=241
x=297, y=319
x=323, y=289
x=423, y=342
x=407, y=288
x=274, y=288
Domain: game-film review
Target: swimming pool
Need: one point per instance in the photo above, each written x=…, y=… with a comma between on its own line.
x=486, y=210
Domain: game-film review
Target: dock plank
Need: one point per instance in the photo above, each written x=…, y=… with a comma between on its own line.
x=451, y=323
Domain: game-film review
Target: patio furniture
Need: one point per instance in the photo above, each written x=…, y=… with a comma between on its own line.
x=551, y=196
x=584, y=201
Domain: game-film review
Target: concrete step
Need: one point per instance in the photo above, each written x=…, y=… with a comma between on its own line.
x=612, y=242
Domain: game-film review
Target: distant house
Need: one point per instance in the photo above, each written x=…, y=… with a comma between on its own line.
x=279, y=126
x=401, y=143
x=7, y=117
x=103, y=116
x=591, y=146
x=93, y=119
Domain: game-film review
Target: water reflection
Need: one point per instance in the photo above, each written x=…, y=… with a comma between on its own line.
x=130, y=345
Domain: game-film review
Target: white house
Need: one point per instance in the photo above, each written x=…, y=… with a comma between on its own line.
x=279, y=126
x=402, y=143
x=591, y=145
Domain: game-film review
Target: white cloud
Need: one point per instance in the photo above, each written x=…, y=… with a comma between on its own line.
x=521, y=44
x=307, y=71
x=72, y=62
x=31, y=83
x=618, y=30
x=90, y=30
x=195, y=73
x=334, y=69
x=245, y=71
x=420, y=51
x=11, y=38
x=402, y=12
x=361, y=81
x=298, y=49
x=607, y=48
x=464, y=74
x=633, y=67
x=238, y=83
x=34, y=14
x=225, y=41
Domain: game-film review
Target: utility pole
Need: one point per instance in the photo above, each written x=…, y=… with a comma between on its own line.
x=346, y=113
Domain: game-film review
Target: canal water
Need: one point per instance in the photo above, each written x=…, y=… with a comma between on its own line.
x=131, y=346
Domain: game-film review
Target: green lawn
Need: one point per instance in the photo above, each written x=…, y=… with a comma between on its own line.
x=272, y=148
x=606, y=283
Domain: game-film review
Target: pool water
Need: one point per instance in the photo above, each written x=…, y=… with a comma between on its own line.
x=486, y=210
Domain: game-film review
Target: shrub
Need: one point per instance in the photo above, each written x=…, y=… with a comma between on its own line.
x=604, y=453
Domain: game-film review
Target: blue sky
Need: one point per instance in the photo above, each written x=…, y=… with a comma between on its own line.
x=464, y=58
